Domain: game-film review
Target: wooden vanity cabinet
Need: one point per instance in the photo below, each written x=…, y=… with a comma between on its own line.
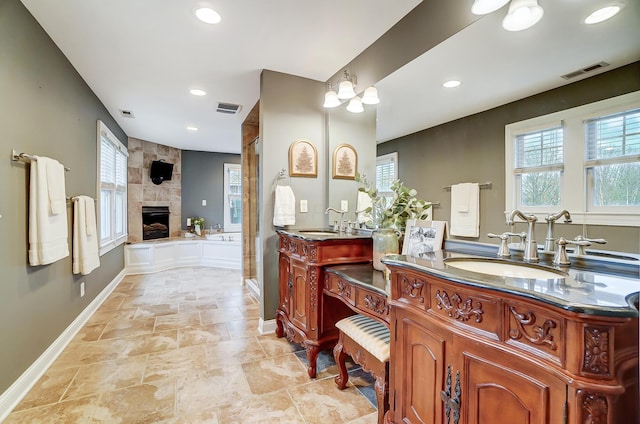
x=304, y=316
x=468, y=355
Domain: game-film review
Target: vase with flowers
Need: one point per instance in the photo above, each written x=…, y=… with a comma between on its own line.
x=390, y=214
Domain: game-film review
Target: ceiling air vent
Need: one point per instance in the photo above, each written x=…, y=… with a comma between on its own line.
x=228, y=108
x=582, y=71
x=127, y=113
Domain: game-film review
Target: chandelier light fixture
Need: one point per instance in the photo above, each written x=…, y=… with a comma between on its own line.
x=522, y=14
x=346, y=91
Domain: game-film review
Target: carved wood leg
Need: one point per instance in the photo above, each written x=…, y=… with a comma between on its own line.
x=339, y=356
x=312, y=356
x=382, y=396
x=279, y=328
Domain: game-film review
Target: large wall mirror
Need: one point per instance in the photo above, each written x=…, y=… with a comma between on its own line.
x=359, y=131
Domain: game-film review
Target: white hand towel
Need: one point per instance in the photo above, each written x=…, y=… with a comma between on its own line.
x=284, y=207
x=363, y=202
x=55, y=186
x=48, y=232
x=465, y=210
x=86, y=256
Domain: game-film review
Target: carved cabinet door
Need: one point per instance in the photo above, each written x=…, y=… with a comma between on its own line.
x=494, y=389
x=298, y=300
x=420, y=356
x=285, y=283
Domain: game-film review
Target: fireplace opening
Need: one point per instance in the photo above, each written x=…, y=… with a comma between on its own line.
x=155, y=222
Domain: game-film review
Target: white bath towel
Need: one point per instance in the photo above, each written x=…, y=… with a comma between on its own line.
x=48, y=231
x=86, y=256
x=363, y=202
x=284, y=207
x=465, y=210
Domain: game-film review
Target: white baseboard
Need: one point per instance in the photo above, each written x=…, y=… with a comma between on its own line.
x=14, y=394
x=252, y=286
x=267, y=327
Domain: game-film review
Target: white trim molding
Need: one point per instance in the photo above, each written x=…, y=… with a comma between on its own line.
x=267, y=327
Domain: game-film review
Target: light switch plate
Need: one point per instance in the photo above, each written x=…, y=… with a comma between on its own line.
x=303, y=206
x=344, y=205
x=204, y=202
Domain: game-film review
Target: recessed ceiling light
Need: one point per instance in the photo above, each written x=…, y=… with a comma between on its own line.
x=194, y=129
x=603, y=14
x=451, y=84
x=198, y=92
x=208, y=15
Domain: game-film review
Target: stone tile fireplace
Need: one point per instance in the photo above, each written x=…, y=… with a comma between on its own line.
x=143, y=193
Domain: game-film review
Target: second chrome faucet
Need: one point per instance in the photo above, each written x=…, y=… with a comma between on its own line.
x=531, y=246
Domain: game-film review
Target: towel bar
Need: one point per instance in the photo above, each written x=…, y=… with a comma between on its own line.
x=481, y=185
x=24, y=157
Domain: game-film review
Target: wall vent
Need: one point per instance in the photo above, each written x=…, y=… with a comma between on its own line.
x=127, y=113
x=582, y=71
x=228, y=108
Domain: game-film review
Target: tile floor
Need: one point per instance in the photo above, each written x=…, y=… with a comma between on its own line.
x=182, y=346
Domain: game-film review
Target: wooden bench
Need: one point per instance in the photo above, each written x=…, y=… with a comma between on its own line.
x=367, y=342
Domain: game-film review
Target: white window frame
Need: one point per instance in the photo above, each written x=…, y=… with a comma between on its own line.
x=114, y=239
x=574, y=189
x=381, y=160
x=228, y=226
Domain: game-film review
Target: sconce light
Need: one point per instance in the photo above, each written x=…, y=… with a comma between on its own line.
x=346, y=90
x=522, y=14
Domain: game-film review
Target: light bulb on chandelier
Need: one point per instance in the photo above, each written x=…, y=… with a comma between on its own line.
x=346, y=90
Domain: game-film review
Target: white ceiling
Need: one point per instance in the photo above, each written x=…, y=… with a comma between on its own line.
x=145, y=55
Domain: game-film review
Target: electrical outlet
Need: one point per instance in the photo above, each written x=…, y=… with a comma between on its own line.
x=344, y=205
x=303, y=206
x=82, y=289
x=204, y=202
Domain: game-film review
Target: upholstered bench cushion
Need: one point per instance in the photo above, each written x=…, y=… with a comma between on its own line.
x=368, y=333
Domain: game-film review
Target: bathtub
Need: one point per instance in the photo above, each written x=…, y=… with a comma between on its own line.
x=220, y=250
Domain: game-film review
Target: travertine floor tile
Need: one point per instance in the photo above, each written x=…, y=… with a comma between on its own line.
x=276, y=373
x=201, y=334
x=145, y=403
x=199, y=391
x=321, y=402
x=182, y=347
x=234, y=351
x=106, y=376
x=175, y=363
x=272, y=408
x=49, y=389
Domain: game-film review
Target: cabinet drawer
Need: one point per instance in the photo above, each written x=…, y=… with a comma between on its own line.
x=375, y=304
x=411, y=289
x=535, y=330
x=341, y=288
x=473, y=310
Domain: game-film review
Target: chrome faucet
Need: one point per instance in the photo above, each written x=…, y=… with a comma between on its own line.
x=549, y=243
x=341, y=227
x=531, y=247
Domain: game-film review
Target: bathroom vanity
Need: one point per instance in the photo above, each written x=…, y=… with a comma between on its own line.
x=559, y=346
x=304, y=315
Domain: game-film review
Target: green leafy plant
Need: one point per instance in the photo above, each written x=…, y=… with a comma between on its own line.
x=395, y=211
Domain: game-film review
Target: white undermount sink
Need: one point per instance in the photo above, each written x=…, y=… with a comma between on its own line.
x=503, y=269
x=317, y=233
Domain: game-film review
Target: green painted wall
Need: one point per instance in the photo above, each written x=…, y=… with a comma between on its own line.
x=46, y=109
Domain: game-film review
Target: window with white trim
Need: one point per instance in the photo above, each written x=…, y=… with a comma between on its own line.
x=232, y=197
x=386, y=173
x=585, y=159
x=112, y=186
x=613, y=160
x=539, y=167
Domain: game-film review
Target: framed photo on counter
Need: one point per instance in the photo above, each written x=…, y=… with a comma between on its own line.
x=422, y=238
